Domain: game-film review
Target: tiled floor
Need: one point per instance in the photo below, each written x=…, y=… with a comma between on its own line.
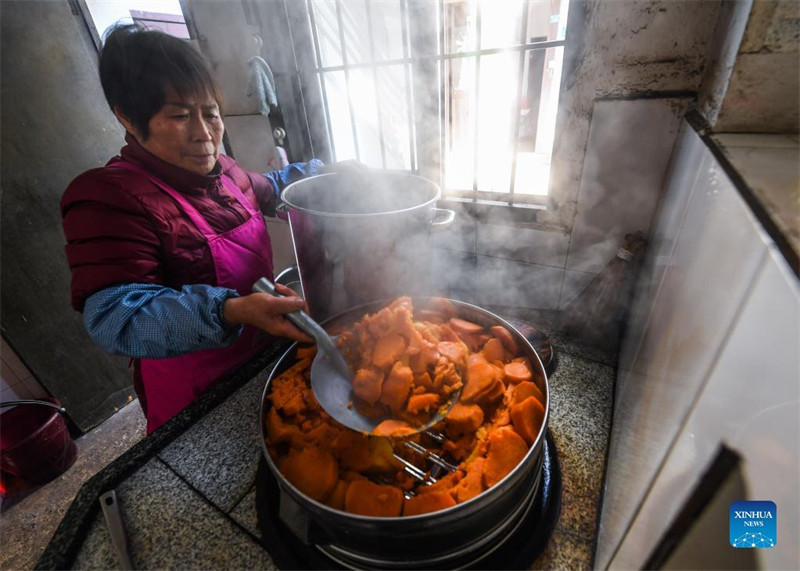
x=26, y=527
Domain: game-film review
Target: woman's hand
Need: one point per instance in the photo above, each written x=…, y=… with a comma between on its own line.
x=267, y=312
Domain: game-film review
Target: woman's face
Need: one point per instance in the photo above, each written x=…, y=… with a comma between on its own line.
x=186, y=133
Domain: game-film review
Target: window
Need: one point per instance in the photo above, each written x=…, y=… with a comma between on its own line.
x=164, y=15
x=481, y=78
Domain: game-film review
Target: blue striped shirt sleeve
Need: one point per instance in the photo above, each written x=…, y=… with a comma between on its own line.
x=282, y=178
x=153, y=321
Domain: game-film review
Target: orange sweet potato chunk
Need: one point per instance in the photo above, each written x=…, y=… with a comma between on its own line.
x=392, y=427
x=506, y=450
x=527, y=418
x=456, y=351
x=472, y=484
x=466, y=327
x=366, y=498
x=505, y=337
x=279, y=431
x=517, y=372
x=388, y=350
x=481, y=379
x=524, y=390
x=336, y=499
x=464, y=418
x=428, y=503
x=494, y=350
x=313, y=471
x=397, y=387
x=367, y=385
x=423, y=402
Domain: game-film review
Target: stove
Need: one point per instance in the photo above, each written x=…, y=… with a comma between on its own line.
x=520, y=548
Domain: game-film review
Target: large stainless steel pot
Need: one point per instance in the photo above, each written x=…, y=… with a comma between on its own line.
x=454, y=537
x=362, y=236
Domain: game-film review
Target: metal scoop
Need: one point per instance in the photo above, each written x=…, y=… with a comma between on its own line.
x=331, y=378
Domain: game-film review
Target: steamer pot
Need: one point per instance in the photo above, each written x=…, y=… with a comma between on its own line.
x=362, y=235
x=454, y=537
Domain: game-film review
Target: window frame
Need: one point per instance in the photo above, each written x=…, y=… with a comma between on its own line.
x=423, y=61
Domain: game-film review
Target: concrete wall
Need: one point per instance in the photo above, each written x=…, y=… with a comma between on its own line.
x=54, y=124
x=764, y=88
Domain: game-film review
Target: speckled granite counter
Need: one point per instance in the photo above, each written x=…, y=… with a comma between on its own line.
x=187, y=492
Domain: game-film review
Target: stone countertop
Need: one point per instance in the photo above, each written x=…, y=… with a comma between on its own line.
x=187, y=492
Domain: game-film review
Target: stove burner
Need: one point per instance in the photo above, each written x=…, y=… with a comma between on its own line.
x=517, y=552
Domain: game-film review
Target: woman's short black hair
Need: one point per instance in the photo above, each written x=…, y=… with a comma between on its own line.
x=138, y=67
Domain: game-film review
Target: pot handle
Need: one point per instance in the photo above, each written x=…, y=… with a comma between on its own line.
x=442, y=218
x=60, y=409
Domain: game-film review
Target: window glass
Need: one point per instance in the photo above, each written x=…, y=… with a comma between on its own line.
x=328, y=42
x=392, y=90
x=164, y=15
x=335, y=89
x=387, y=30
x=500, y=23
x=496, y=113
x=365, y=109
x=459, y=124
x=540, y=93
x=356, y=31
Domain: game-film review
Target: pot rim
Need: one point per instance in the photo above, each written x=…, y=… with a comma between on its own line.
x=535, y=448
x=306, y=181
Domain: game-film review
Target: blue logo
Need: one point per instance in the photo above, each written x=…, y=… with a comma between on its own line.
x=753, y=525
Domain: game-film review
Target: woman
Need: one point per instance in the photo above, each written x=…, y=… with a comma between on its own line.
x=165, y=241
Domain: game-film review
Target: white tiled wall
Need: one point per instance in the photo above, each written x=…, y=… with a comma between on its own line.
x=16, y=380
x=707, y=254
x=751, y=403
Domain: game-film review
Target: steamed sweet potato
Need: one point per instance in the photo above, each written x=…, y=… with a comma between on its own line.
x=527, y=418
x=427, y=357
x=279, y=431
x=442, y=305
x=365, y=498
x=336, y=499
x=517, y=372
x=464, y=326
x=423, y=402
x=476, y=358
x=367, y=385
x=494, y=351
x=506, y=450
x=481, y=379
x=456, y=351
x=388, y=350
x=306, y=352
x=397, y=387
x=505, y=337
x=313, y=471
x=427, y=503
x=472, y=483
x=432, y=316
x=464, y=418
x=524, y=390
x=393, y=427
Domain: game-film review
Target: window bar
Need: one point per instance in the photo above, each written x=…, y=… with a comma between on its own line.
x=343, y=46
x=442, y=48
x=375, y=82
x=522, y=56
x=477, y=102
x=412, y=155
x=321, y=78
x=533, y=46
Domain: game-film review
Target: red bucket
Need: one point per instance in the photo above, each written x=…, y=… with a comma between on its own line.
x=35, y=443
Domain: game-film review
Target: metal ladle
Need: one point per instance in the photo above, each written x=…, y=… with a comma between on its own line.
x=331, y=378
